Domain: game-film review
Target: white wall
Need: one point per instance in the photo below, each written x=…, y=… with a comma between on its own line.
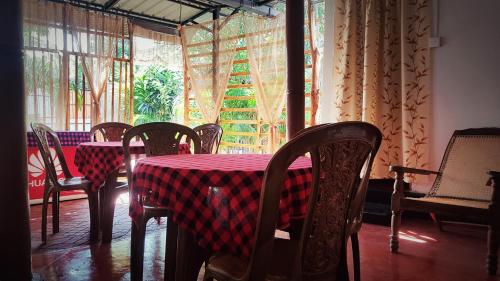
x=466, y=70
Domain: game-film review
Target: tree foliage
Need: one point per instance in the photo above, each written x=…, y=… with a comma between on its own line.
x=157, y=90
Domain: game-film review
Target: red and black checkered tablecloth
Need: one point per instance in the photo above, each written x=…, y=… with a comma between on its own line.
x=216, y=197
x=97, y=160
x=66, y=138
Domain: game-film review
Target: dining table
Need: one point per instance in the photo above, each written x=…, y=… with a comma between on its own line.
x=101, y=163
x=213, y=199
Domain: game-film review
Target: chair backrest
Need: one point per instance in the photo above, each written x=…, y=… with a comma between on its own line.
x=109, y=131
x=338, y=154
x=53, y=159
x=470, y=154
x=356, y=214
x=159, y=138
x=210, y=136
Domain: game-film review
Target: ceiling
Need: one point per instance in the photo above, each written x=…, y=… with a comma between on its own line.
x=171, y=13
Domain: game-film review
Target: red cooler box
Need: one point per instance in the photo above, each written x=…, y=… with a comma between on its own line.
x=36, y=171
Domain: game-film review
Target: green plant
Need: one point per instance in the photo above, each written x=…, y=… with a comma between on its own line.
x=156, y=92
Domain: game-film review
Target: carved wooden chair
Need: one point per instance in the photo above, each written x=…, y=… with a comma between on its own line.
x=356, y=215
x=210, y=136
x=53, y=159
x=116, y=184
x=109, y=131
x=338, y=153
x=160, y=138
x=460, y=186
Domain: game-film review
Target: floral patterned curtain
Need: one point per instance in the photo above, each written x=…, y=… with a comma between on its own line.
x=382, y=75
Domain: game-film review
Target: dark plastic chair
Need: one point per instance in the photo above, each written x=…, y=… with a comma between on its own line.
x=116, y=184
x=210, y=136
x=356, y=216
x=160, y=138
x=109, y=131
x=54, y=186
x=338, y=154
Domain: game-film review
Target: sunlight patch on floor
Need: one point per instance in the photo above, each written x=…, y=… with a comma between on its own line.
x=413, y=236
x=123, y=199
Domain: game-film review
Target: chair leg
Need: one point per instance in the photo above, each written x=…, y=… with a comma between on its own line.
x=170, y=250
x=102, y=202
x=492, y=259
x=108, y=200
x=55, y=212
x=355, y=256
x=93, y=198
x=45, y=203
x=108, y=214
x=137, y=248
x=343, y=272
x=435, y=218
x=208, y=277
x=395, y=223
x=396, y=209
x=190, y=256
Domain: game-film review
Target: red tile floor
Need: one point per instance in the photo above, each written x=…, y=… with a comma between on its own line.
x=425, y=252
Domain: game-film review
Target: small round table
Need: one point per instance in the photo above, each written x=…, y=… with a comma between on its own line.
x=214, y=198
x=100, y=163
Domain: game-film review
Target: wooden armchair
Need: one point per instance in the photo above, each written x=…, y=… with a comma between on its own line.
x=338, y=153
x=53, y=157
x=460, y=186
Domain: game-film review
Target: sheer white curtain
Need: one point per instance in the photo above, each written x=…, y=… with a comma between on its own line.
x=95, y=35
x=45, y=76
x=266, y=49
x=209, y=50
x=152, y=47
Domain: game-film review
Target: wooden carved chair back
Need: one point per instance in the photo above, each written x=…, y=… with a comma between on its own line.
x=109, y=131
x=210, y=136
x=470, y=154
x=52, y=155
x=356, y=214
x=338, y=154
x=159, y=138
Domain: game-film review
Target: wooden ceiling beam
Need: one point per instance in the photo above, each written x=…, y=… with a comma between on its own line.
x=248, y=6
x=132, y=15
x=110, y=4
x=194, y=17
x=193, y=4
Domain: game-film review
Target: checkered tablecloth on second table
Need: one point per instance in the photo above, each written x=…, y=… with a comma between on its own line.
x=66, y=138
x=216, y=196
x=97, y=160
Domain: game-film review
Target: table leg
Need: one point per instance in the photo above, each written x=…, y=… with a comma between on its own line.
x=108, y=201
x=137, y=250
x=190, y=257
x=171, y=250
x=93, y=198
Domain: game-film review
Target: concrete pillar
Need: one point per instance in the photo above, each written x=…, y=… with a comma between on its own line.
x=15, y=249
x=295, y=57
